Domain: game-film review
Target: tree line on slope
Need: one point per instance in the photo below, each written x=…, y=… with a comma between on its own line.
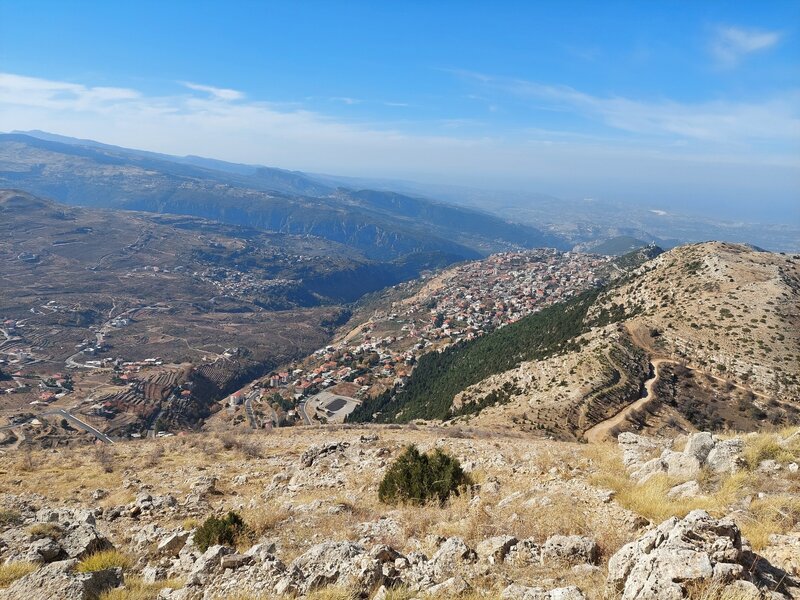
x=439, y=376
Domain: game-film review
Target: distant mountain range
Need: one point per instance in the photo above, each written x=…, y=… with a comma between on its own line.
x=382, y=225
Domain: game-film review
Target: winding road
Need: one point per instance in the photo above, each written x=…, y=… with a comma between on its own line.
x=602, y=430
x=59, y=412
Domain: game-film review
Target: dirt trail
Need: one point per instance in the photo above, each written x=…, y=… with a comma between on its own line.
x=602, y=430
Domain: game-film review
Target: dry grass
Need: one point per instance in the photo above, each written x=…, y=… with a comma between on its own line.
x=136, y=589
x=714, y=590
x=45, y=530
x=766, y=446
x=10, y=572
x=648, y=499
x=332, y=592
x=9, y=517
x=777, y=512
x=107, y=559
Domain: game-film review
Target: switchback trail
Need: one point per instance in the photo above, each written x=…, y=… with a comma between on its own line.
x=602, y=430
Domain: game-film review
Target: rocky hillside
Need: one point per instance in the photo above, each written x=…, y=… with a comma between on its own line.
x=704, y=336
x=694, y=517
x=726, y=309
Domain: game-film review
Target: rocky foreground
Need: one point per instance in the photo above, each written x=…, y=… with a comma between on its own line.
x=695, y=517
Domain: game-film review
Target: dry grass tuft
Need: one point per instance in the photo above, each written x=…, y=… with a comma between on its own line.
x=45, y=530
x=107, y=559
x=648, y=499
x=136, y=589
x=332, y=592
x=10, y=572
x=714, y=590
x=9, y=517
x=765, y=446
x=263, y=520
x=775, y=514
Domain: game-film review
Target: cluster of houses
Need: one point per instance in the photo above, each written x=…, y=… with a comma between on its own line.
x=466, y=301
x=237, y=283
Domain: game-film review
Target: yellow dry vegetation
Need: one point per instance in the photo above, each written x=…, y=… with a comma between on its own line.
x=106, y=559
x=136, y=589
x=10, y=572
x=776, y=512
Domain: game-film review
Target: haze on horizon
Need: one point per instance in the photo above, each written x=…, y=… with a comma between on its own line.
x=695, y=110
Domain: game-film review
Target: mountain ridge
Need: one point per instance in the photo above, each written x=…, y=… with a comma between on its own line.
x=95, y=175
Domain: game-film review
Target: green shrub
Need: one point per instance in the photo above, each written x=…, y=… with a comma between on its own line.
x=418, y=478
x=219, y=531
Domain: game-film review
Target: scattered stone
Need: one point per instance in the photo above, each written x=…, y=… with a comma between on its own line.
x=83, y=540
x=234, y=561
x=571, y=549
x=153, y=574
x=726, y=456
x=495, y=549
x=690, y=489
x=316, y=452
x=521, y=592
x=172, y=544
x=59, y=580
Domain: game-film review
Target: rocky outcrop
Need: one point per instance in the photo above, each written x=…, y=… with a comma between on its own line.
x=570, y=549
x=62, y=534
x=679, y=553
x=59, y=580
x=645, y=457
x=315, y=452
x=521, y=592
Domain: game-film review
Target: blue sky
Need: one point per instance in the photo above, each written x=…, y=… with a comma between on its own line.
x=670, y=103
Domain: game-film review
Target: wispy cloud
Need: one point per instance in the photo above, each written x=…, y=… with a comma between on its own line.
x=442, y=150
x=721, y=122
x=214, y=92
x=345, y=100
x=730, y=45
x=35, y=92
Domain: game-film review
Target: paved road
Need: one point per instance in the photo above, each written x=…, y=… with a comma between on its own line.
x=80, y=424
x=59, y=412
x=301, y=408
x=248, y=408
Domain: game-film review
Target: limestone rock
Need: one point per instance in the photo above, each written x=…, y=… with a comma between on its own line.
x=342, y=563
x=690, y=489
x=696, y=549
x=58, y=580
x=44, y=550
x=495, y=549
x=315, y=452
x=521, y=592
x=571, y=549
x=699, y=445
x=83, y=540
x=726, y=456
x=172, y=544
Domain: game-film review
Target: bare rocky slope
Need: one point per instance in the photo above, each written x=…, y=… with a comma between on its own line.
x=647, y=518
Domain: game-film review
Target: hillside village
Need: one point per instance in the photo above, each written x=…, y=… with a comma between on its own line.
x=461, y=303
